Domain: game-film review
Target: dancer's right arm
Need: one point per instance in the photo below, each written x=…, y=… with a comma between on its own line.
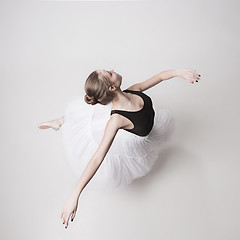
x=187, y=74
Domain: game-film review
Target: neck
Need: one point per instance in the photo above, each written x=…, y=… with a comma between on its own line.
x=120, y=98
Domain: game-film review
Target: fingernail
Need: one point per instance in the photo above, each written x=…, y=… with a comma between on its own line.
x=199, y=75
x=71, y=219
x=65, y=227
x=196, y=80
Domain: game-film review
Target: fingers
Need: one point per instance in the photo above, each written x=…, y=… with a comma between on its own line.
x=65, y=221
x=73, y=215
x=193, y=76
x=62, y=217
x=66, y=225
x=66, y=217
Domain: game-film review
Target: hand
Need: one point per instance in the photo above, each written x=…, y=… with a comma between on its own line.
x=190, y=75
x=69, y=208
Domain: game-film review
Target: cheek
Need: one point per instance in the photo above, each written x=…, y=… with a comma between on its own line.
x=115, y=79
x=118, y=77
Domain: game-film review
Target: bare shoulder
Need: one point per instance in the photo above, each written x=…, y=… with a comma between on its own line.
x=135, y=87
x=110, y=132
x=116, y=122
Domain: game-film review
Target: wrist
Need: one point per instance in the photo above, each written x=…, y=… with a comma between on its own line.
x=178, y=73
x=168, y=74
x=76, y=193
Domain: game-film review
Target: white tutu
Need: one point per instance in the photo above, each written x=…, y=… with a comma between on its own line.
x=129, y=157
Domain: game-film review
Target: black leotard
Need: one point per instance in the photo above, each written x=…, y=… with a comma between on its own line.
x=143, y=119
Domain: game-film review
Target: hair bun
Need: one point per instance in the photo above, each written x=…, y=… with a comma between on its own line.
x=90, y=99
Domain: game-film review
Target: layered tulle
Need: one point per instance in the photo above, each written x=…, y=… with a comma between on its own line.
x=129, y=157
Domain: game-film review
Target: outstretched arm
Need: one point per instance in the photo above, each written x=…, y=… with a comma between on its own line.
x=109, y=134
x=187, y=74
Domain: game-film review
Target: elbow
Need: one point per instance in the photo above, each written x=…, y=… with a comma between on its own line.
x=98, y=160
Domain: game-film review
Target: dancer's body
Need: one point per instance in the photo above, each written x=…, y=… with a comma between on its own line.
x=104, y=87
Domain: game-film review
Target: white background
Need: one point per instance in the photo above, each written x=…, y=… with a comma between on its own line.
x=49, y=48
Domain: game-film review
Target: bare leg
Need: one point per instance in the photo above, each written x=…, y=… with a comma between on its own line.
x=54, y=124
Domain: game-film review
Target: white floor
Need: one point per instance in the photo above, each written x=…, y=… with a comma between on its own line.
x=48, y=48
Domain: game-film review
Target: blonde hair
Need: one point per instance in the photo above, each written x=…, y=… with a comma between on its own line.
x=97, y=89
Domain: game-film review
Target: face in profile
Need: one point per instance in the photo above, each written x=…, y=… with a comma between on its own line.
x=114, y=77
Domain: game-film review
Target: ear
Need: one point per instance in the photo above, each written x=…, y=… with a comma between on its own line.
x=112, y=88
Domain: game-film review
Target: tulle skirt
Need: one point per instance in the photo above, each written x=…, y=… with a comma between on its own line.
x=129, y=157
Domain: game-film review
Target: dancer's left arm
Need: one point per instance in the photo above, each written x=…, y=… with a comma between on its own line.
x=110, y=132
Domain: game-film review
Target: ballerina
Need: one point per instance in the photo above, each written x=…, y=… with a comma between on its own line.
x=101, y=154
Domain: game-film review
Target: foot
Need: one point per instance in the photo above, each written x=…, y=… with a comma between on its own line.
x=54, y=124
